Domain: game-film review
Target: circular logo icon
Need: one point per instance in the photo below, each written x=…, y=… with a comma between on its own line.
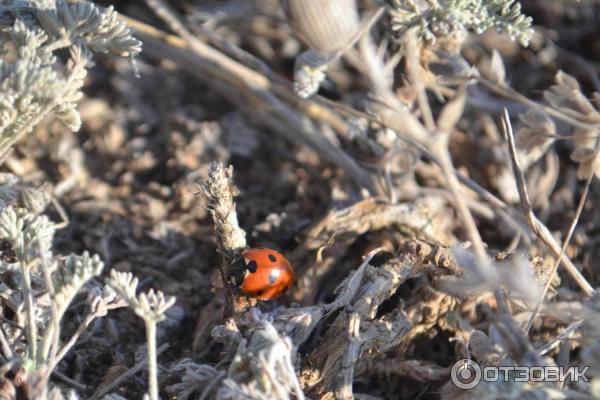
x=465, y=374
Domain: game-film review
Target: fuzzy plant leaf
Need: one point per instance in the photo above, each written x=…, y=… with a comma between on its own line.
x=34, y=83
x=101, y=297
x=154, y=305
x=98, y=30
x=442, y=18
x=29, y=234
x=150, y=306
x=125, y=284
x=74, y=273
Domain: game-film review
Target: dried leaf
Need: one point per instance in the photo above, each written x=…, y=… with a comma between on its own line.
x=535, y=136
x=452, y=111
x=497, y=69
x=566, y=94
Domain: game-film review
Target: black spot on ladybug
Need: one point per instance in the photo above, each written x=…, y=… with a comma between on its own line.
x=252, y=266
x=259, y=292
x=272, y=258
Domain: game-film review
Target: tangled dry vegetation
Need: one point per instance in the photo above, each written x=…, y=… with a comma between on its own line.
x=429, y=167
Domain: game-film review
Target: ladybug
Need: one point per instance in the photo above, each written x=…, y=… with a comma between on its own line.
x=266, y=273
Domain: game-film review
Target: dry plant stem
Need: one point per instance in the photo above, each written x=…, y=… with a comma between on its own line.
x=219, y=191
x=343, y=390
x=101, y=391
x=53, y=362
x=152, y=365
x=30, y=308
x=510, y=93
x=65, y=349
x=569, y=233
x=334, y=154
x=363, y=293
x=440, y=144
x=461, y=206
x=51, y=337
x=163, y=11
x=530, y=222
x=208, y=61
x=6, y=350
x=578, y=212
x=536, y=224
x=69, y=381
x=439, y=147
x=566, y=333
x=394, y=113
x=282, y=87
x=258, y=96
x=400, y=124
x=413, y=71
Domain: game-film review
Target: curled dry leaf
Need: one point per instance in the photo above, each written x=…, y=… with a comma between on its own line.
x=588, y=162
x=566, y=95
x=535, y=136
x=497, y=70
x=452, y=112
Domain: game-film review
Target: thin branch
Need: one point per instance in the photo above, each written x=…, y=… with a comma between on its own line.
x=439, y=148
x=537, y=225
x=219, y=191
x=101, y=391
x=343, y=390
x=264, y=100
x=414, y=69
x=565, y=334
x=6, y=350
x=30, y=308
x=510, y=93
x=69, y=381
x=52, y=335
x=578, y=212
x=80, y=329
x=529, y=222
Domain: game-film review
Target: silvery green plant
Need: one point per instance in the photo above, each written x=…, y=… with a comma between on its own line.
x=48, y=285
x=45, y=285
x=72, y=275
x=441, y=18
x=29, y=235
x=34, y=81
x=151, y=307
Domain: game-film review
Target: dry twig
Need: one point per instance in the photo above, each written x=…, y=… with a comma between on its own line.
x=538, y=227
x=219, y=190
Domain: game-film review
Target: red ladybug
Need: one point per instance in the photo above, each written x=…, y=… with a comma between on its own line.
x=267, y=273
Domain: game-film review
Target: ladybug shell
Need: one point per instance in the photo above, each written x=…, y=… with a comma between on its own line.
x=268, y=273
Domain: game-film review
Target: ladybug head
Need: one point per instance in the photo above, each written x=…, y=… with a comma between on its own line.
x=237, y=269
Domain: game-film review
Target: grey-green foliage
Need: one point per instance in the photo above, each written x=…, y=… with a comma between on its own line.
x=438, y=18
x=34, y=82
x=75, y=272
x=30, y=234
